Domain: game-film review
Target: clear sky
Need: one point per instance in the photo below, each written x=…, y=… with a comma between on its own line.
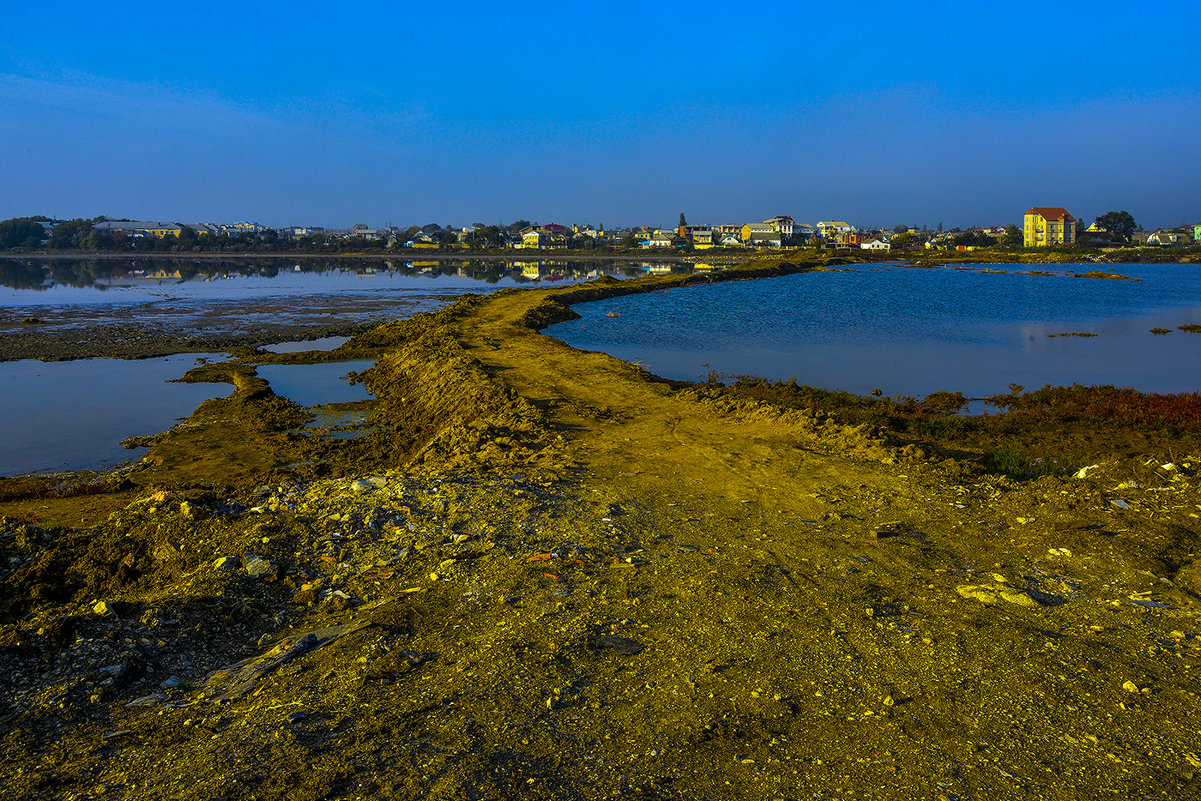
x=619, y=113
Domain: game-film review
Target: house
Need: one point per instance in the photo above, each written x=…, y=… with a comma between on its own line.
x=138, y=230
x=750, y=229
x=876, y=245
x=760, y=235
x=660, y=239
x=831, y=229
x=781, y=224
x=702, y=238
x=1168, y=237
x=534, y=238
x=1045, y=226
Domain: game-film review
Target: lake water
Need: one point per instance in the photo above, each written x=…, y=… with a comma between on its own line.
x=73, y=415
x=238, y=296
x=910, y=331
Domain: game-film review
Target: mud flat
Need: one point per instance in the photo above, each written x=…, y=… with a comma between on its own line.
x=544, y=573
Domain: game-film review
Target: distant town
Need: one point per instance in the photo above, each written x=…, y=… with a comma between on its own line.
x=1042, y=227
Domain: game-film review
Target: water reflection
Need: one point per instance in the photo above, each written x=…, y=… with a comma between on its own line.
x=73, y=415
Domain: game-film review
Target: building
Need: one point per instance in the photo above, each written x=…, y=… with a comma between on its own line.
x=1048, y=225
x=138, y=230
x=783, y=225
x=876, y=245
x=830, y=229
x=1168, y=237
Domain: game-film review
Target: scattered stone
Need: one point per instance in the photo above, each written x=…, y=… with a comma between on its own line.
x=991, y=594
x=153, y=699
x=611, y=643
x=167, y=551
x=226, y=564
x=256, y=566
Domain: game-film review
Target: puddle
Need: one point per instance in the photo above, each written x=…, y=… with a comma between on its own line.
x=340, y=423
x=299, y=346
x=316, y=384
x=73, y=415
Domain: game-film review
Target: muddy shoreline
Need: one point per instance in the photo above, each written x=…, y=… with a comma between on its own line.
x=545, y=573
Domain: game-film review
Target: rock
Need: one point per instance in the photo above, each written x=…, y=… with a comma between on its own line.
x=611, y=643
x=226, y=564
x=171, y=683
x=102, y=608
x=1130, y=686
x=361, y=485
x=256, y=566
x=167, y=551
x=991, y=594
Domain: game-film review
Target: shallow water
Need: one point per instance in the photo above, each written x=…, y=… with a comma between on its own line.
x=299, y=346
x=73, y=415
x=913, y=331
x=237, y=297
x=316, y=384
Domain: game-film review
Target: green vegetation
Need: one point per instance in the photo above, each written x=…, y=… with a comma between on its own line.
x=1119, y=223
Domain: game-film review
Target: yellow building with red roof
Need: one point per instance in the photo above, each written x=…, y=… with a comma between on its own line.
x=1048, y=225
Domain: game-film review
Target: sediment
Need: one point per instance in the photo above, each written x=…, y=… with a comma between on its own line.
x=545, y=573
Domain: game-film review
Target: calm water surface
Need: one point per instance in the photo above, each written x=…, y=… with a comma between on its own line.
x=914, y=331
x=73, y=415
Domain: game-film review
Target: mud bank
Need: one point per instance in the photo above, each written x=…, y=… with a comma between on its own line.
x=548, y=574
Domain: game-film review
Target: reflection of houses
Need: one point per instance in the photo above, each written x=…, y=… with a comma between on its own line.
x=1045, y=226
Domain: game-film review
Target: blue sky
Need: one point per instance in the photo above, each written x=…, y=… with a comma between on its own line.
x=614, y=112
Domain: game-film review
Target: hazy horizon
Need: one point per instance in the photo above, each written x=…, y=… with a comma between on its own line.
x=300, y=114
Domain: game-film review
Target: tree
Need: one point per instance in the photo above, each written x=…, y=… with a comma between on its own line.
x=21, y=232
x=1013, y=237
x=902, y=240
x=683, y=222
x=900, y=229
x=69, y=235
x=1119, y=223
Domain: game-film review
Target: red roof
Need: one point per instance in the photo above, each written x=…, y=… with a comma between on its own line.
x=1052, y=213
